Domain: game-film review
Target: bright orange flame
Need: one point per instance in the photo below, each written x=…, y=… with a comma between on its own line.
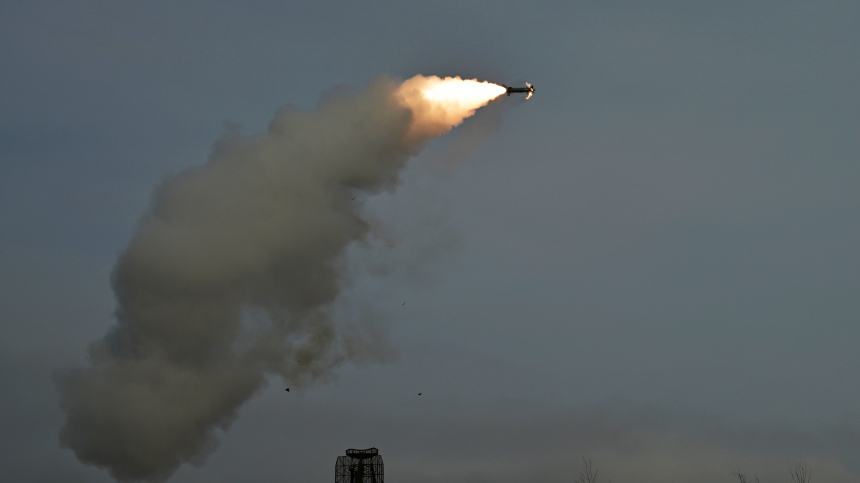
x=469, y=94
x=440, y=104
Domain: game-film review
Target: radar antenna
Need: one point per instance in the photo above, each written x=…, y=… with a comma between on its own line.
x=359, y=466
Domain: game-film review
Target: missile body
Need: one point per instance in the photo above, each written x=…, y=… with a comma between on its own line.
x=530, y=89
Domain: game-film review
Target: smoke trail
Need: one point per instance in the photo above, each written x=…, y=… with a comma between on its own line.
x=231, y=271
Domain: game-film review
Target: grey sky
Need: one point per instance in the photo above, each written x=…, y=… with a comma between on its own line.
x=653, y=261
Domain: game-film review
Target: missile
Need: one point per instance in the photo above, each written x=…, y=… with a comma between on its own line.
x=530, y=89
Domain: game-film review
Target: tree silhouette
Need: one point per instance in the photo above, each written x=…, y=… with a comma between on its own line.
x=742, y=477
x=588, y=473
x=800, y=473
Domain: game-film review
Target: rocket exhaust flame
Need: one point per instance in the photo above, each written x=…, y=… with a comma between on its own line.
x=440, y=104
x=256, y=232
x=471, y=94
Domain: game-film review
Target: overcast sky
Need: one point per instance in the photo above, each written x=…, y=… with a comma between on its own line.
x=652, y=263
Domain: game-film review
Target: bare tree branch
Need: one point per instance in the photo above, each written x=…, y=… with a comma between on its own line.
x=588, y=474
x=742, y=477
x=800, y=473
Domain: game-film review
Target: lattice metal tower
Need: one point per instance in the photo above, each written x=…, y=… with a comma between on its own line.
x=359, y=466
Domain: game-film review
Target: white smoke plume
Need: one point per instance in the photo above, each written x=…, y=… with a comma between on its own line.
x=231, y=271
